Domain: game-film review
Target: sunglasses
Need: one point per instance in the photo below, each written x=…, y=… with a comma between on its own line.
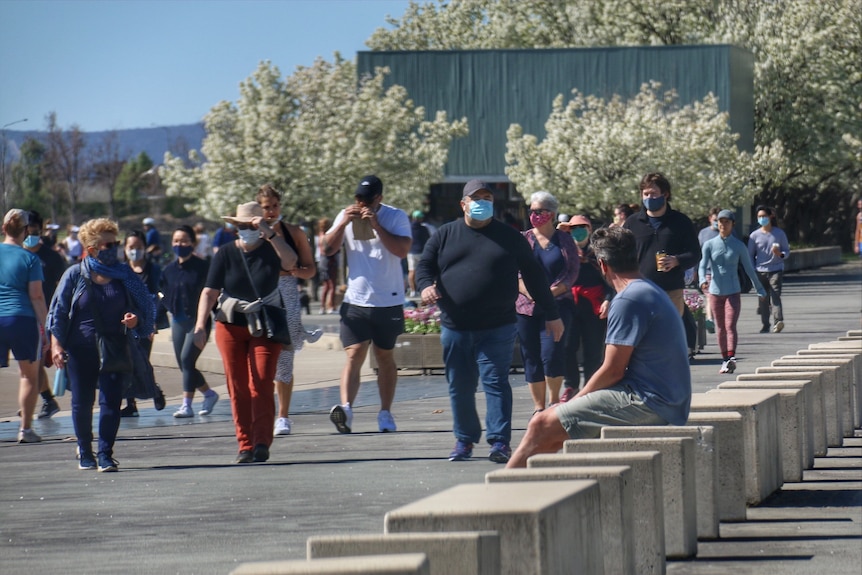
x=539, y=212
x=109, y=245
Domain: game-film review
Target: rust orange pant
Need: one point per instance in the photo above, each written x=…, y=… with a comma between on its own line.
x=249, y=367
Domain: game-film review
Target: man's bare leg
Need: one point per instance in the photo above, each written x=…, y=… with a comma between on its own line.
x=387, y=376
x=545, y=434
x=356, y=355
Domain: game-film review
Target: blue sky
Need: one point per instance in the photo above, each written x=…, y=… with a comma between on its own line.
x=107, y=65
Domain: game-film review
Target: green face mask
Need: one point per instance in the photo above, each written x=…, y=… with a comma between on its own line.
x=580, y=234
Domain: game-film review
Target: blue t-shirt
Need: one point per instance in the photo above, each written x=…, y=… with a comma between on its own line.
x=642, y=316
x=18, y=268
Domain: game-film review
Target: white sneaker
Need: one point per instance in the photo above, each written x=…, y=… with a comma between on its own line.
x=342, y=417
x=313, y=336
x=208, y=404
x=282, y=426
x=779, y=325
x=184, y=411
x=28, y=436
x=385, y=421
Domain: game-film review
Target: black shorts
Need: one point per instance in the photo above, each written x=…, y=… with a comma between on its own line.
x=381, y=325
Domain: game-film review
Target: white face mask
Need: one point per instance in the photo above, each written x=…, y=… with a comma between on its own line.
x=135, y=255
x=249, y=237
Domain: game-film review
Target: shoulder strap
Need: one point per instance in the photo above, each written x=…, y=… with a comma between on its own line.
x=248, y=272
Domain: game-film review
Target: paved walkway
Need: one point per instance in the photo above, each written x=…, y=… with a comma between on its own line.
x=179, y=505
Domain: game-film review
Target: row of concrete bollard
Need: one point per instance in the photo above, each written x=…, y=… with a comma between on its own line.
x=625, y=503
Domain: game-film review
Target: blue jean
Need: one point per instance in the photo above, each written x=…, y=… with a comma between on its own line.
x=82, y=368
x=187, y=353
x=543, y=357
x=470, y=355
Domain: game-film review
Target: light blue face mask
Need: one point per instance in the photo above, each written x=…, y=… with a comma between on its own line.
x=481, y=210
x=763, y=221
x=31, y=241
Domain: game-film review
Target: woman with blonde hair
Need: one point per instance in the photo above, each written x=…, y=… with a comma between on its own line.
x=270, y=200
x=22, y=315
x=101, y=297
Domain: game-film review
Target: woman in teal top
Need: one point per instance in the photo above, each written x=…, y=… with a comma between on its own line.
x=22, y=315
x=723, y=254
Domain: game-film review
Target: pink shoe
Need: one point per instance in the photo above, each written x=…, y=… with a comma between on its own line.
x=568, y=393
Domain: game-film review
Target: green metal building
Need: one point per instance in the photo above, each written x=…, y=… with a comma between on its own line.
x=496, y=88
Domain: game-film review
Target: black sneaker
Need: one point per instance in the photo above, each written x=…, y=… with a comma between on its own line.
x=159, y=400
x=500, y=452
x=260, y=453
x=130, y=410
x=106, y=462
x=764, y=329
x=49, y=408
x=87, y=461
x=244, y=456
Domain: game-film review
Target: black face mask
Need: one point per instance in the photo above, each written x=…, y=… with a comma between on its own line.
x=48, y=241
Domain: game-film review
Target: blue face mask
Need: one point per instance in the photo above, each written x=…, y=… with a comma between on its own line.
x=481, y=210
x=654, y=204
x=763, y=221
x=183, y=251
x=715, y=225
x=31, y=241
x=108, y=257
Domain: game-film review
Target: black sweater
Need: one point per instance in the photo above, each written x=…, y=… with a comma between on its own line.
x=476, y=271
x=676, y=236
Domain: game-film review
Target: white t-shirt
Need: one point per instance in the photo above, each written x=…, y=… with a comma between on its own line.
x=374, y=277
x=203, y=249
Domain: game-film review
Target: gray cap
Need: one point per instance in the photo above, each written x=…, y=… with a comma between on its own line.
x=474, y=186
x=727, y=214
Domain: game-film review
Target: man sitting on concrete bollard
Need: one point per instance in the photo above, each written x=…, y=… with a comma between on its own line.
x=645, y=377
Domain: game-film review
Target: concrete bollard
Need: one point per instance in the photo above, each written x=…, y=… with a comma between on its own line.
x=799, y=436
x=468, y=553
x=846, y=382
x=818, y=403
x=857, y=374
x=759, y=410
x=647, y=507
x=832, y=409
x=545, y=527
x=791, y=421
x=705, y=469
x=406, y=564
x=731, y=461
x=678, y=484
x=615, y=490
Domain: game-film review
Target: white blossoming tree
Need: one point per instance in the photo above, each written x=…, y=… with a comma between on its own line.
x=596, y=150
x=807, y=77
x=313, y=135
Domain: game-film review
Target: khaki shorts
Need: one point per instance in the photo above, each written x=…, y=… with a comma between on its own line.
x=585, y=416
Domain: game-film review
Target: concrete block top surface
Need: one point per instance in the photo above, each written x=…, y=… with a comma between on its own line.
x=826, y=359
x=845, y=344
x=760, y=379
x=396, y=564
x=559, y=473
x=776, y=385
x=731, y=398
x=596, y=458
x=493, y=498
x=635, y=432
x=447, y=536
x=718, y=416
x=797, y=369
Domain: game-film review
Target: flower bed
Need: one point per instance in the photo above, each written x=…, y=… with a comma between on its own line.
x=695, y=302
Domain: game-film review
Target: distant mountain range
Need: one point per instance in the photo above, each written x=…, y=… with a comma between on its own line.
x=154, y=141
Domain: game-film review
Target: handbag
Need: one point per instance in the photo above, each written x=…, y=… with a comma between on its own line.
x=115, y=355
x=273, y=317
x=140, y=382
